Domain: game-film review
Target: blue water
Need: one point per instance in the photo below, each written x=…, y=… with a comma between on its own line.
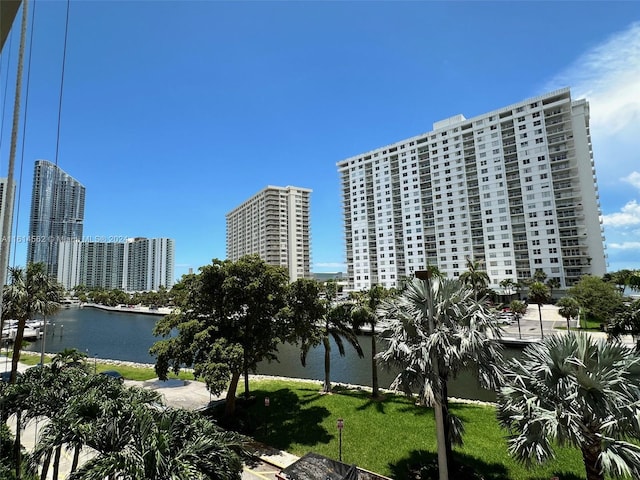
x=128, y=336
x=102, y=334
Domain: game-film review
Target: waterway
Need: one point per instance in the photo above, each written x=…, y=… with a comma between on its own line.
x=128, y=336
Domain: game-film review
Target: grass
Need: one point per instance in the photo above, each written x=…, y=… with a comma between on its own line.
x=129, y=372
x=390, y=436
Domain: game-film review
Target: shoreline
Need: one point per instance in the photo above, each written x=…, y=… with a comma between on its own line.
x=129, y=309
x=259, y=377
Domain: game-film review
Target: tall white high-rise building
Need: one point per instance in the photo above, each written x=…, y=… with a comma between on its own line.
x=139, y=264
x=515, y=188
x=57, y=213
x=148, y=264
x=273, y=224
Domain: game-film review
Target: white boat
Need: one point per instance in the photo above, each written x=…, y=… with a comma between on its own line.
x=29, y=333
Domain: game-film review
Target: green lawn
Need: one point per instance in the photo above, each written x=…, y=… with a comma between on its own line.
x=389, y=436
x=128, y=372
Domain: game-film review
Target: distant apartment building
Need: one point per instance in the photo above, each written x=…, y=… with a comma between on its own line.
x=57, y=213
x=515, y=188
x=148, y=264
x=139, y=264
x=273, y=224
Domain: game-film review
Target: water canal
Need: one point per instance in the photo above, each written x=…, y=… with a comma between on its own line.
x=128, y=336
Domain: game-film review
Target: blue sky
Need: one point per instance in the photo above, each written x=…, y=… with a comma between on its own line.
x=173, y=112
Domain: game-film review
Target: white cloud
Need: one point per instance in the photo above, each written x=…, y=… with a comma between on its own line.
x=624, y=246
x=629, y=215
x=633, y=178
x=608, y=75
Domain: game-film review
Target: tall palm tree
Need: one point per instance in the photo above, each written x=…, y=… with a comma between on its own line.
x=553, y=283
x=475, y=277
x=539, y=294
x=519, y=308
x=318, y=317
x=436, y=328
x=572, y=390
x=366, y=312
x=29, y=292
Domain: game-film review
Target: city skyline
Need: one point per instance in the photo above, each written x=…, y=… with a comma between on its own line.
x=170, y=132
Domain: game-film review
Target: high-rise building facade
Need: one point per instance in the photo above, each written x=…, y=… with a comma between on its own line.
x=57, y=213
x=139, y=264
x=148, y=264
x=515, y=188
x=273, y=224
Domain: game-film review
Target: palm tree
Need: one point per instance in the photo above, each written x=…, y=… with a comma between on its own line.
x=572, y=390
x=366, y=312
x=157, y=444
x=519, y=308
x=28, y=293
x=553, y=283
x=475, y=277
x=94, y=414
x=539, y=294
x=569, y=308
x=317, y=320
x=508, y=286
x=436, y=329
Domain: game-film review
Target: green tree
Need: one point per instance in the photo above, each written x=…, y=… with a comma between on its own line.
x=228, y=321
x=634, y=281
x=600, y=299
x=571, y=390
x=569, y=308
x=539, y=294
x=519, y=308
x=620, y=278
x=29, y=292
x=366, y=312
x=476, y=278
x=319, y=318
x=626, y=322
x=436, y=329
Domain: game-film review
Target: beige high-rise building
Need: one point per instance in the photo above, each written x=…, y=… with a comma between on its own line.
x=515, y=188
x=274, y=224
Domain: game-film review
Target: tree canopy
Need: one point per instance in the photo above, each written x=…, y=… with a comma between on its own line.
x=600, y=299
x=228, y=321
